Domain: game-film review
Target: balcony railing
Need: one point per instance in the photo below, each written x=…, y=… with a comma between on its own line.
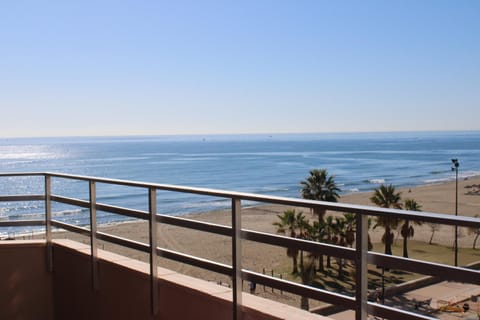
x=359, y=254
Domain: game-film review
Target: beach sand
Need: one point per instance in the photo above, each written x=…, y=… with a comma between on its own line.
x=257, y=257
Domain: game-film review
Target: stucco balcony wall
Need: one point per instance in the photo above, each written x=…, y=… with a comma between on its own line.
x=29, y=291
x=26, y=288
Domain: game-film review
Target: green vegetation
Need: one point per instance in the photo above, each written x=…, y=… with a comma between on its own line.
x=339, y=275
x=320, y=186
x=407, y=230
x=329, y=280
x=294, y=223
x=386, y=197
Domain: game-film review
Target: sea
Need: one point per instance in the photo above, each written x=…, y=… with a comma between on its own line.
x=267, y=164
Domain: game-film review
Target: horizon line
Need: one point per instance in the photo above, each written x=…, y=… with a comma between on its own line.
x=270, y=134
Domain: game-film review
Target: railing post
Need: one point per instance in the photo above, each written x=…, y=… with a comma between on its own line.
x=361, y=262
x=93, y=233
x=48, y=222
x=152, y=200
x=236, y=259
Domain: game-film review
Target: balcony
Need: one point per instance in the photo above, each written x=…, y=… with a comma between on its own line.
x=56, y=278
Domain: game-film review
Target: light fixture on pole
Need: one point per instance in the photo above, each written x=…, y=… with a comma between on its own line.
x=455, y=166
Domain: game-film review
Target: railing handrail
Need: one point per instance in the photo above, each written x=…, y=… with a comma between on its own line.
x=440, y=218
x=460, y=274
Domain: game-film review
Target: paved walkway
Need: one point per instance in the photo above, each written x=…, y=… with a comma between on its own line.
x=433, y=297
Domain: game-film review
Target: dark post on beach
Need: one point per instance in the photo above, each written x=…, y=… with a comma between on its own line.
x=455, y=168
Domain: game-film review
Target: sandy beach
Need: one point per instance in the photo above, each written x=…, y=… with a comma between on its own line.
x=438, y=198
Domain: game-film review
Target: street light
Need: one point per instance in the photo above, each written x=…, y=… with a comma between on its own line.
x=455, y=166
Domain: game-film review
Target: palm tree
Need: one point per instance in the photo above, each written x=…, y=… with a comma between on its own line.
x=307, y=274
x=370, y=244
x=330, y=234
x=320, y=186
x=290, y=221
x=315, y=232
x=386, y=197
x=407, y=230
x=350, y=225
x=304, y=228
x=341, y=240
x=433, y=227
x=476, y=232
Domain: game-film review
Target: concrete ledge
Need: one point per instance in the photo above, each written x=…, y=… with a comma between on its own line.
x=29, y=291
x=123, y=280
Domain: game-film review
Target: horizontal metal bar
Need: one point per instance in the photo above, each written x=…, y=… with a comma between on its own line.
x=22, y=197
x=140, y=246
x=300, y=244
x=394, y=313
x=334, y=206
x=71, y=201
x=194, y=224
x=100, y=180
x=299, y=289
x=102, y=207
x=71, y=227
x=22, y=174
x=427, y=268
x=22, y=223
x=138, y=214
x=195, y=261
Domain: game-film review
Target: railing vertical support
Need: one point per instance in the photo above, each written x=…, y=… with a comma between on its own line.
x=236, y=259
x=48, y=223
x=93, y=233
x=361, y=262
x=152, y=200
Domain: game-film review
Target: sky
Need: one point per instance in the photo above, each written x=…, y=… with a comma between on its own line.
x=145, y=67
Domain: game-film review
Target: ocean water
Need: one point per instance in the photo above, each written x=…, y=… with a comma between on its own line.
x=264, y=164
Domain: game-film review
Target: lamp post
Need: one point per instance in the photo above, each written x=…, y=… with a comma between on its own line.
x=455, y=166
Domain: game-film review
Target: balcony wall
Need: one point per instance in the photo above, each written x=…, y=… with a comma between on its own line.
x=26, y=288
x=28, y=291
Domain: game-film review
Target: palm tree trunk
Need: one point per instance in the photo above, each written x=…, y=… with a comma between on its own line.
x=340, y=268
x=301, y=259
x=405, y=232
x=304, y=303
x=431, y=238
x=388, y=243
x=475, y=241
x=405, y=249
x=320, y=263
x=295, y=264
x=320, y=213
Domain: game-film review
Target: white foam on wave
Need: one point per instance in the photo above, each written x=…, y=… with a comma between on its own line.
x=206, y=204
x=354, y=190
x=376, y=181
x=439, y=180
x=67, y=212
x=461, y=175
x=270, y=189
x=468, y=174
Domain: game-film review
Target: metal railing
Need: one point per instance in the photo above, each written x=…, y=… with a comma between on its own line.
x=359, y=254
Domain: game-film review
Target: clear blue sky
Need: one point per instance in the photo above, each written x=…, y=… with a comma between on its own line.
x=202, y=67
